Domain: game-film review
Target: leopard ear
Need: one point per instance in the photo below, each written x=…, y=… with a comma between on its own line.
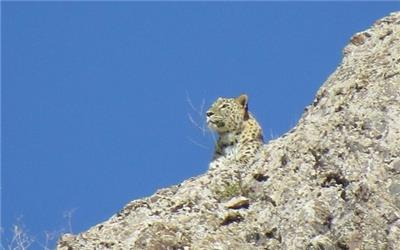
x=242, y=100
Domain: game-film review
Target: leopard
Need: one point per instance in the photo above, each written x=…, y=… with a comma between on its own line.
x=240, y=135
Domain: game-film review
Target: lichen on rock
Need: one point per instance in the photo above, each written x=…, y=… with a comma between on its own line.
x=332, y=182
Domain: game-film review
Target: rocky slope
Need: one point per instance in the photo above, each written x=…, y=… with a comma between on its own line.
x=333, y=182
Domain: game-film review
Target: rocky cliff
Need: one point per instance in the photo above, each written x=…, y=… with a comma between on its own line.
x=332, y=182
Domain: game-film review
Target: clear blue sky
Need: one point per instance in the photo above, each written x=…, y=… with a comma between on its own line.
x=94, y=95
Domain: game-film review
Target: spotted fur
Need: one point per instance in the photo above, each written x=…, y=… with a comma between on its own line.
x=240, y=135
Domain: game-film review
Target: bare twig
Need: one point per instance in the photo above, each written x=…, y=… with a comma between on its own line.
x=197, y=143
x=197, y=119
x=21, y=240
x=201, y=128
x=68, y=216
x=271, y=134
x=49, y=238
x=199, y=115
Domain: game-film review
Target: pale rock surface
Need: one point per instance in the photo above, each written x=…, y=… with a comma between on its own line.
x=332, y=182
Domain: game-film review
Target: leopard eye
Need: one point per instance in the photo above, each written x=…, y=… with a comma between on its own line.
x=224, y=106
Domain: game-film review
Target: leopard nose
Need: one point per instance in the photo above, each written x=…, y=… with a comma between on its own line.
x=209, y=113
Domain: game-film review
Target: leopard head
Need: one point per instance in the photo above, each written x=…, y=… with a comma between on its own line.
x=227, y=114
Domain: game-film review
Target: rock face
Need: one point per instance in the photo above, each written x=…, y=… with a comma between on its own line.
x=332, y=182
